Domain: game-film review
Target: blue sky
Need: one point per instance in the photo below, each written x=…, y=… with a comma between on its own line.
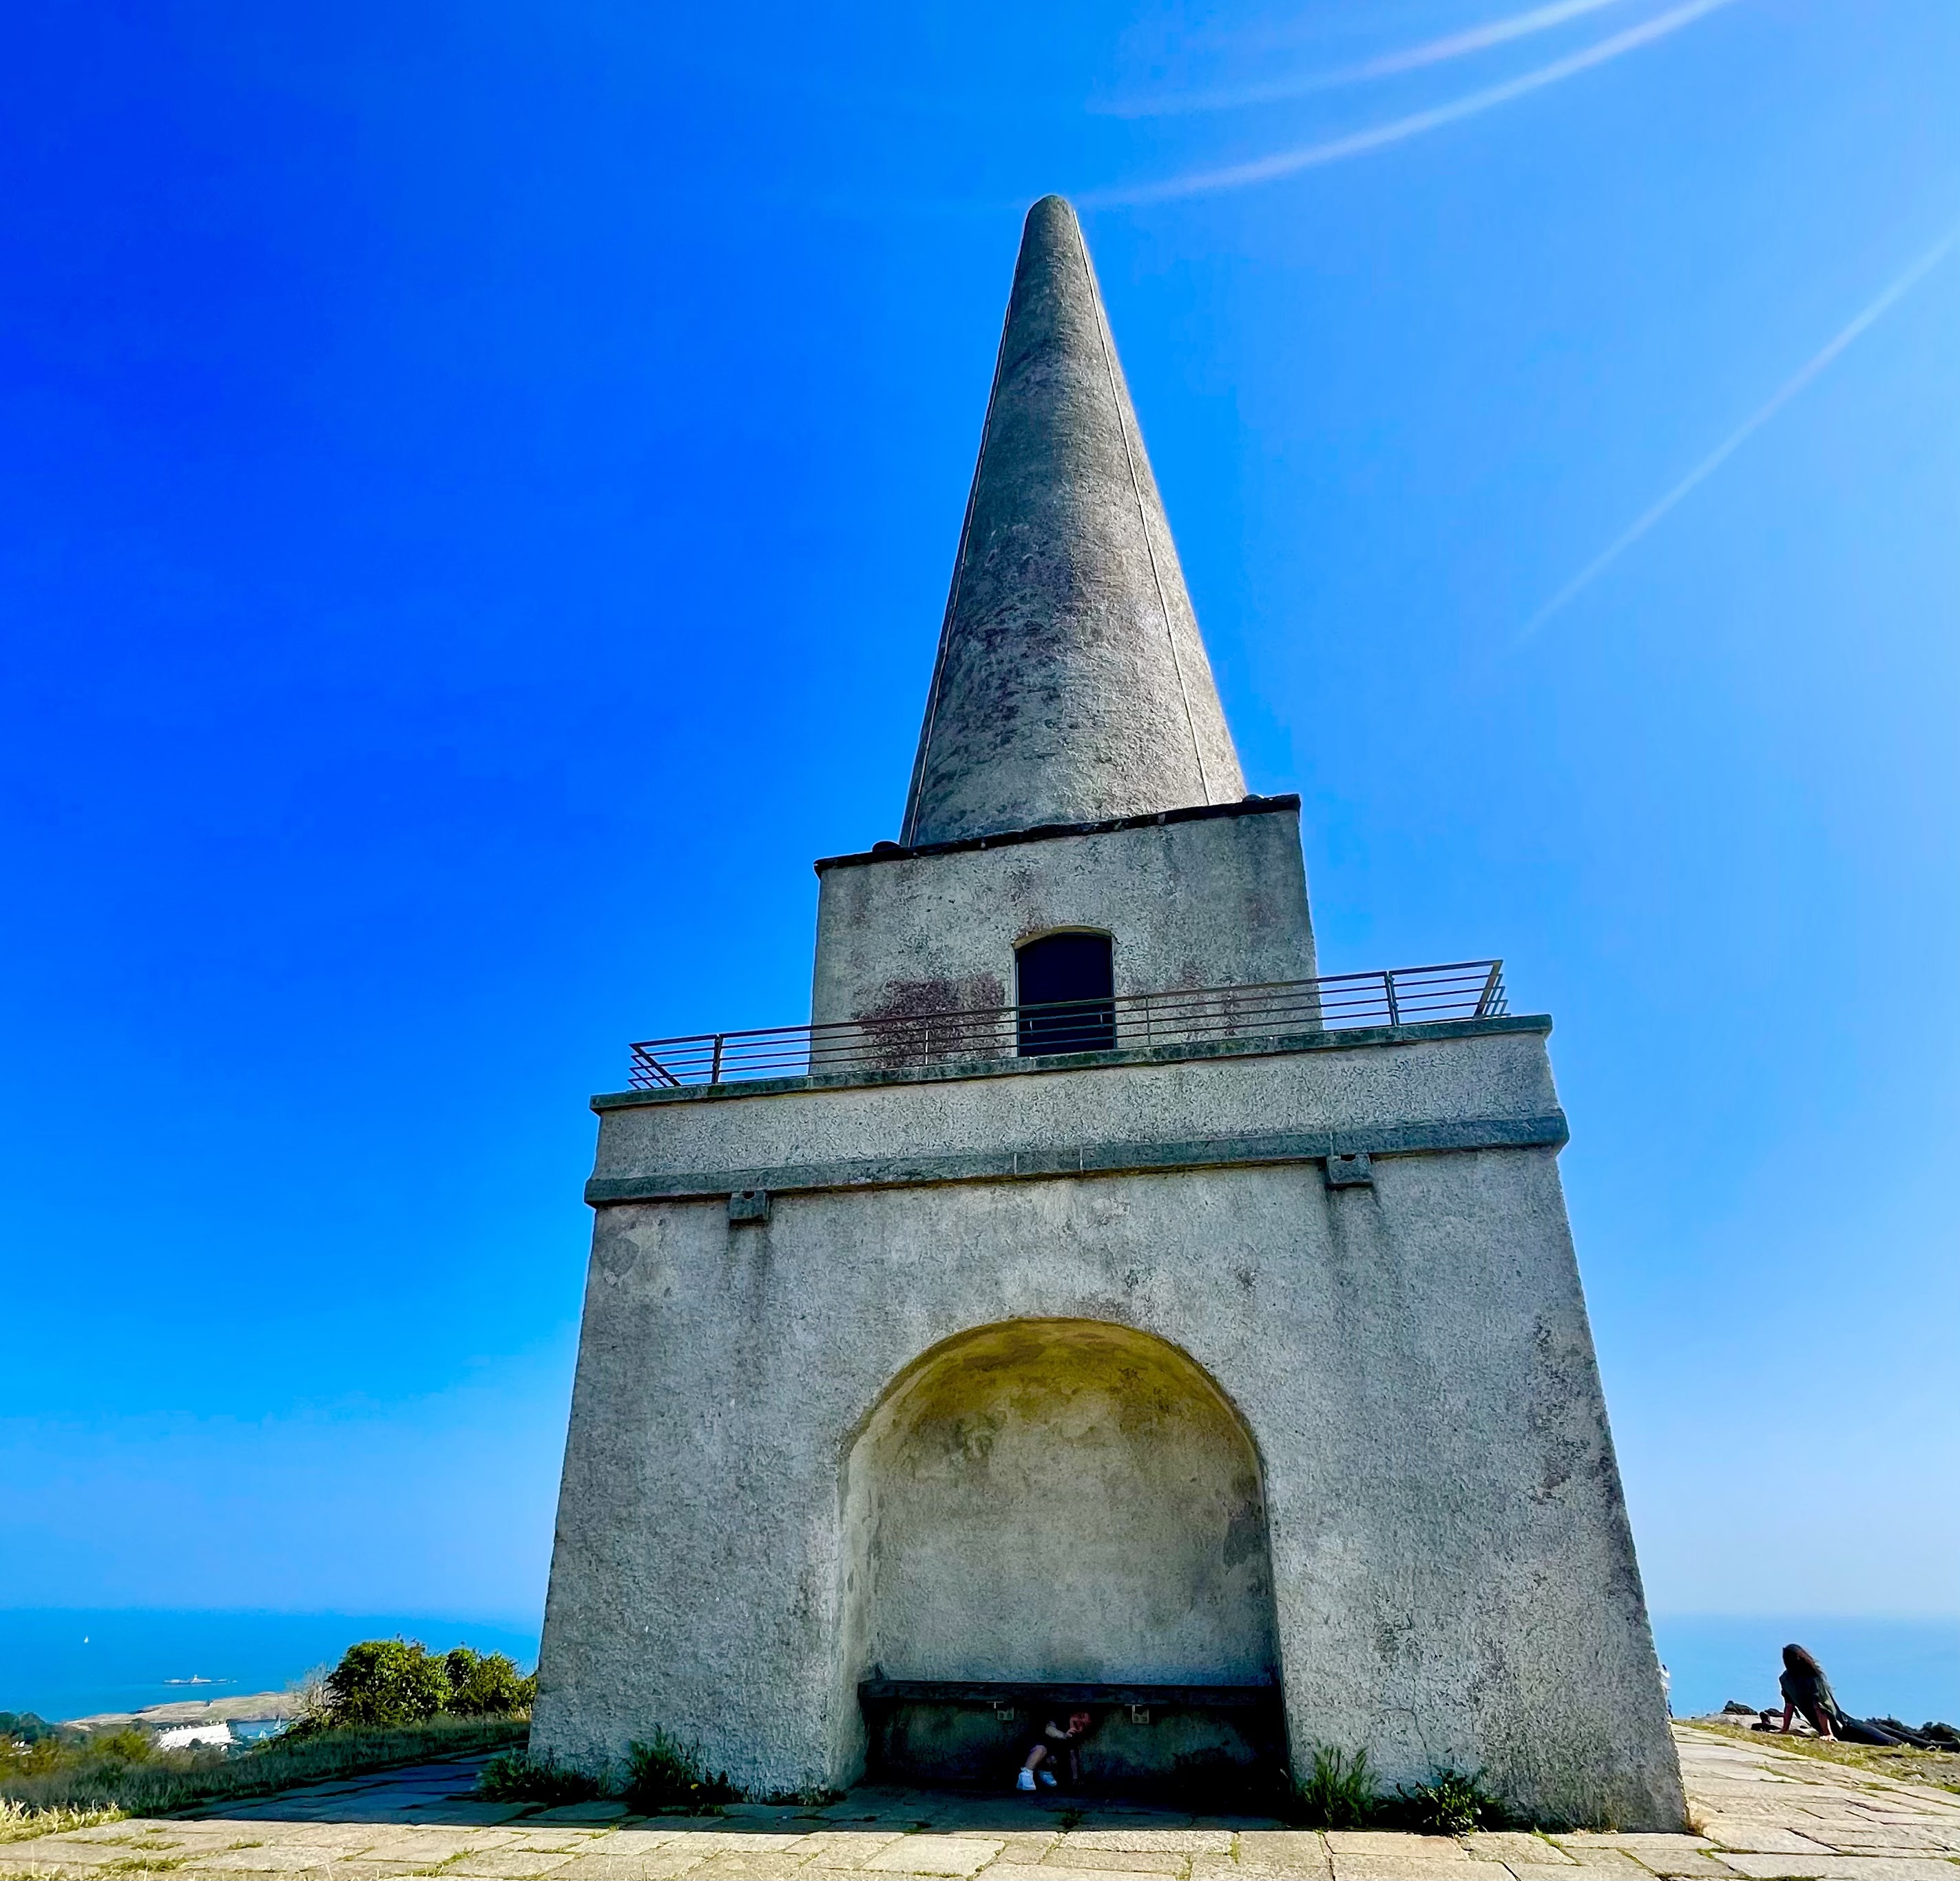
x=479, y=487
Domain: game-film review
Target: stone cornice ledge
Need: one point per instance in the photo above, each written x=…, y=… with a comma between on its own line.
x=1547, y=1131
x=1334, y=1038
x=1046, y=832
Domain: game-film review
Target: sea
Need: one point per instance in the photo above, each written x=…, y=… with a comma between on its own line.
x=65, y=1662
x=1905, y=1669
x=76, y=1662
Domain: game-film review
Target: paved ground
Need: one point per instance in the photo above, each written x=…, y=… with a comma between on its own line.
x=1765, y=1813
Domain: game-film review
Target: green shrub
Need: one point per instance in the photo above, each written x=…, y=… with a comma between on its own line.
x=517, y=1777
x=384, y=1681
x=665, y=1774
x=485, y=1685
x=127, y=1745
x=28, y=1727
x=1341, y=1792
x=380, y=1684
x=28, y=1757
x=1450, y=1803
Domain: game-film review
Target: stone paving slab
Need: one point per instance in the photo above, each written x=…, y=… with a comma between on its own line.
x=1045, y=1871
x=1844, y=1868
x=1374, y=1845
x=1186, y=1841
x=1764, y=1814
x=1174, y=1862
x=1671, y=1855
x=1759, y=1835
x=506, y=1862
x=1281, y=1854
x=927, y=1854
x=1412, y=1866
x=1516, y=1845
x=652, y=1864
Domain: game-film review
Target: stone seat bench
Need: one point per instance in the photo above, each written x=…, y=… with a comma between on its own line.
x=963, y=1730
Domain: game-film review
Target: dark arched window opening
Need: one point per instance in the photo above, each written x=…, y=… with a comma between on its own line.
x=1066, y=982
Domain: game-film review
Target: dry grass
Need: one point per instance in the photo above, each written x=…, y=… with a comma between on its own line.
x=20, y=1822
x=1939, y=1768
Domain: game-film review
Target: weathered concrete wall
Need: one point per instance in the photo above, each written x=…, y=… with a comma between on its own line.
x=1454, y=1579
x=1055, y=1499
x=1221, y=901
x=1497, y=1074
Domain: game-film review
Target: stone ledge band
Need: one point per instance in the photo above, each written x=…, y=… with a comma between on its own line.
x=1548, y=1131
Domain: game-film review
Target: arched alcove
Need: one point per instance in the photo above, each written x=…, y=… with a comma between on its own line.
x=1056, y=1500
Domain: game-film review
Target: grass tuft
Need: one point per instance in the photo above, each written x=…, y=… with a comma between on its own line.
x=1342, y=1792
x=23, y=1822
x=1451, y=1803
x=516, y=1777
x=665, y=1774
x=1339, y=1793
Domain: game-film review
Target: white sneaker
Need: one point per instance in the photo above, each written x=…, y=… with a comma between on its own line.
x=1046, y=1778
x=1026, y=1781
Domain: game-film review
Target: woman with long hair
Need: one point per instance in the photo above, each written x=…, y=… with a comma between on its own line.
x=1805, y=1690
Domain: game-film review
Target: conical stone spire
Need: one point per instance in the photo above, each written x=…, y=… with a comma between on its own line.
x=1071, y=684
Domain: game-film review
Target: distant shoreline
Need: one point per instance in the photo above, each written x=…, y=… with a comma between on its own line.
x=260, y=1705
x=100, y=1662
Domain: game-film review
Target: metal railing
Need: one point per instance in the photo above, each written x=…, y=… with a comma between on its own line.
x=900, y=1041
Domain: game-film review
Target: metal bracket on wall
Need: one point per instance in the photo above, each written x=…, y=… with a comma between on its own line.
x=1352, y=1171
x=748, y=1207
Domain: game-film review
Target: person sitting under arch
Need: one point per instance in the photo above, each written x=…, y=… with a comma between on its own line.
x=1058, y=1743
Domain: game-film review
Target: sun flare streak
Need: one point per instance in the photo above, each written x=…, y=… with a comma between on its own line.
x=1757, y=419
x=1288, y=162
x=1435, y=52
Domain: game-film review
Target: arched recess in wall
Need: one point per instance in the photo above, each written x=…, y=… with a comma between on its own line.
x=1054, y=1500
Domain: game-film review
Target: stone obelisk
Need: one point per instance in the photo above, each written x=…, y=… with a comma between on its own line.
x=1214, y=1353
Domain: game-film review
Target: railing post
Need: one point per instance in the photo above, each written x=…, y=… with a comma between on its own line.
x=1489, y=992
x=714, y=1070
x=1389, y=987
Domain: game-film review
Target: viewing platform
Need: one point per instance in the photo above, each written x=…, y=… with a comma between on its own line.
x=1340, y=1071
x=1461, y=991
